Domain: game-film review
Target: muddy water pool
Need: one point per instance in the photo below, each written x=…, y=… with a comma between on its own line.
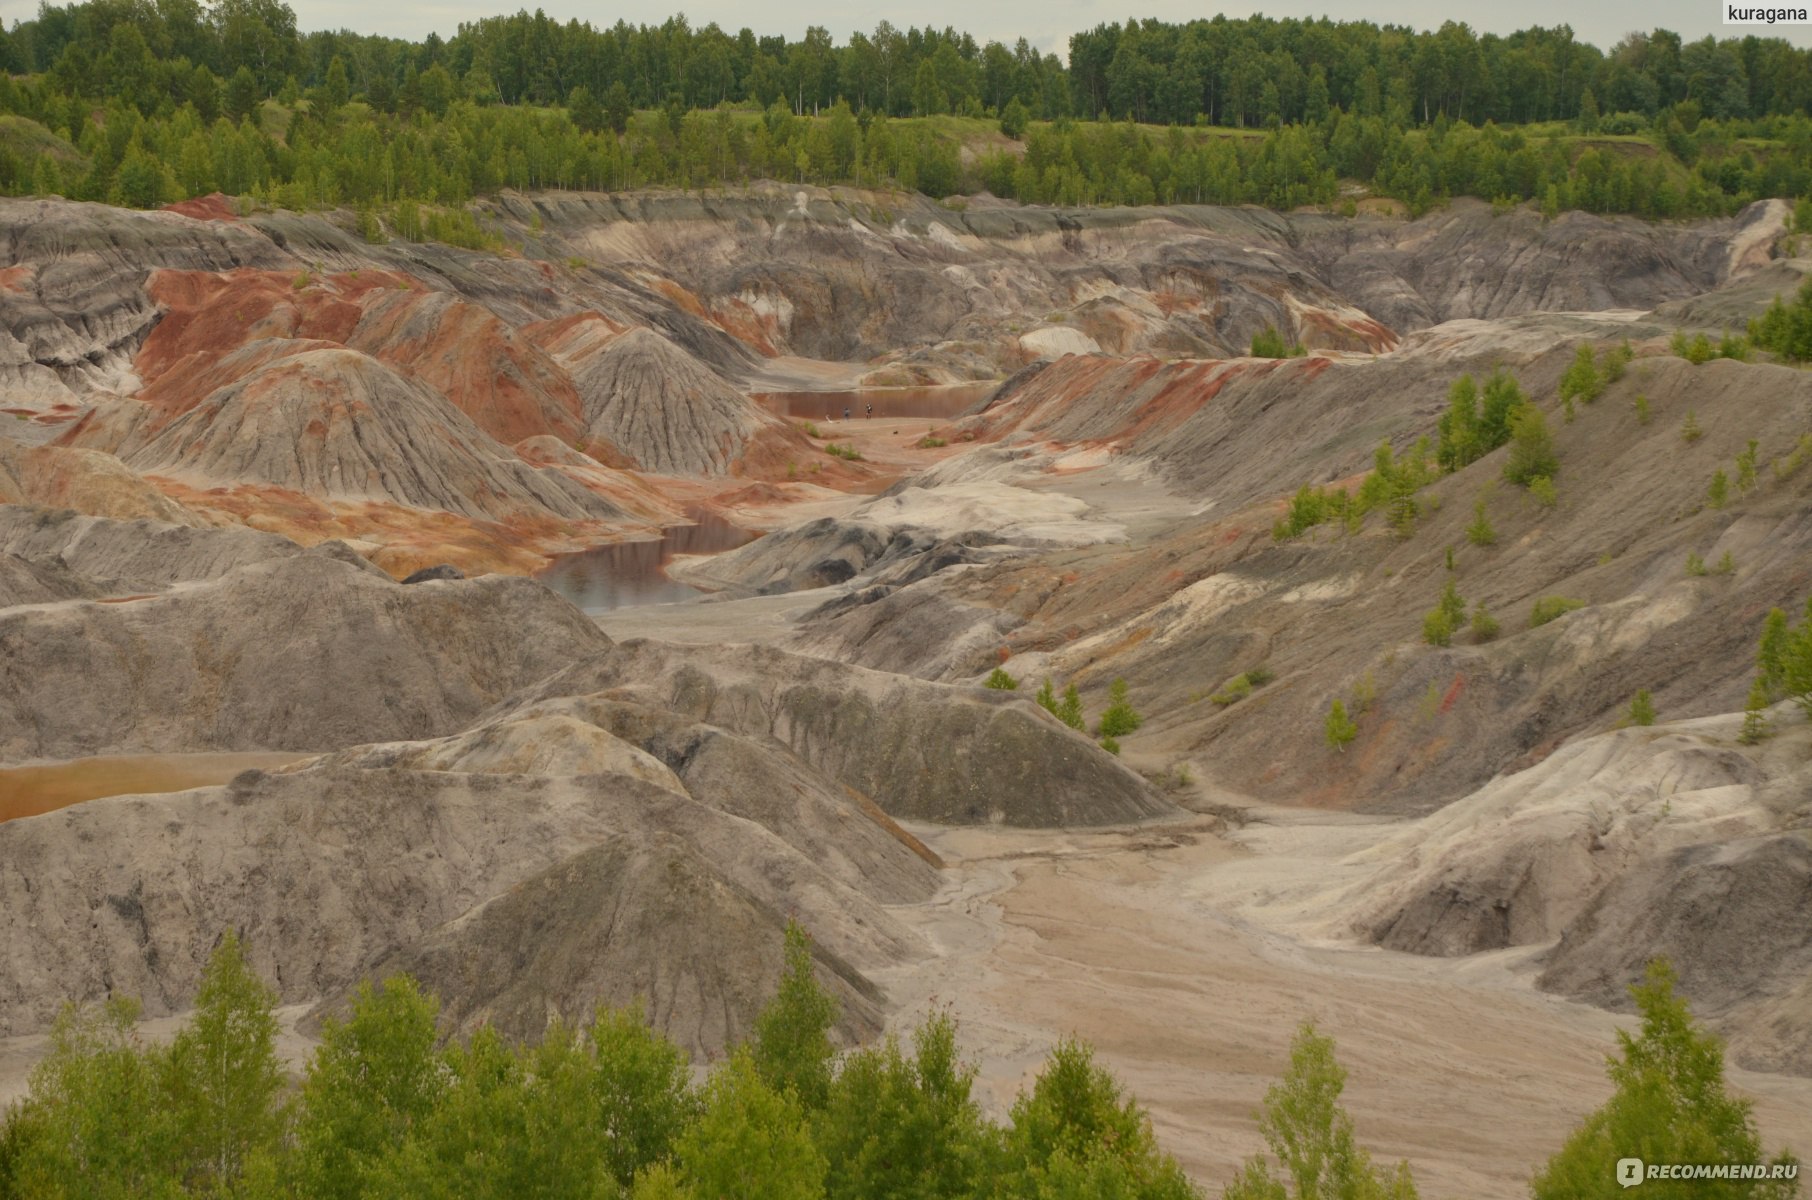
x=28, y=791
x=890, y=404
x=632, y=573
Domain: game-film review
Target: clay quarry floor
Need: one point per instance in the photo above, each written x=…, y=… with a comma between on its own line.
x=1124, y=938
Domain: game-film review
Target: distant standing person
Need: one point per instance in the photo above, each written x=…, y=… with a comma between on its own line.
x=871, y=412
x=846, y=413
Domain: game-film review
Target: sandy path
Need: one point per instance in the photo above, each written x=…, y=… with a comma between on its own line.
x=1458, y=1066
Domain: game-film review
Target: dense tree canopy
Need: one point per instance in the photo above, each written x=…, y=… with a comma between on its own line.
x=142, y=102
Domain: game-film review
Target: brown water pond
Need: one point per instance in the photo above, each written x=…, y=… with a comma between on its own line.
x=632, y=573
x=28, y=791
x=889, y=404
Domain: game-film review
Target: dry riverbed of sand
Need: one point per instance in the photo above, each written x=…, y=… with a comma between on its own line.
x=1458, y=1065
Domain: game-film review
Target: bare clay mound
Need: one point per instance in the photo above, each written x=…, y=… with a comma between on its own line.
x=479, y=881
x=647, y=920
x=671, y=413
x=924, y=751
x=336, y=424
x=307, y=653
x=82, y=479
x=134, y=556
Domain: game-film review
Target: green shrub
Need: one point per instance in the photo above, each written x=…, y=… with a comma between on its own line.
x=1119, y=719
x=1547, y=608
x=1448, y=614
x=1268, y=343
x=1259, y=676
x=1786, y=329
x=929, y=442
x=1718, y=490
x=1745, y=467
x=1111, y=745
x=1689, y=428
x=847, y=453
x=1785, y=657
x=1616, y=359
x=1787, y=464
x=1726, y=565
x=1000, y=681
x=1339, y=728
x=1480, y=532
x=1484, y=625
x=1755, y=714
x=1643, y=416
x=1581, y=380
x=1642, y=708
x=1695, y=351
x=1233, y=691
x=1069, y=709
x=1695, y=566
x=1542, y=491
x=1531, y=447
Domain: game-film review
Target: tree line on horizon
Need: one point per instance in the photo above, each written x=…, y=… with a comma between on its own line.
x=1241, y=72
x=143, y=102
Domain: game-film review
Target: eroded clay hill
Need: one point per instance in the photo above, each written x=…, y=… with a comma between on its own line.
x=487, y=757
x=261, y=423
x=615, y=337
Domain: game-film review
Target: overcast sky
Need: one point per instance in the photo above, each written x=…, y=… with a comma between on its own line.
x=1046, y=23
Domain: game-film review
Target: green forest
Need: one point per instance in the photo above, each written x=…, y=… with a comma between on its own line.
x=613, y=1109
x=145, y=102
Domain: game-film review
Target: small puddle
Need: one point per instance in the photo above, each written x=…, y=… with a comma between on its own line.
x=632, y=573
x=28, y=791
x=889, y=404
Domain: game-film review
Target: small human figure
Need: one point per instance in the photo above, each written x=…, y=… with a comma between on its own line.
x=846, y=412
x=871, y=412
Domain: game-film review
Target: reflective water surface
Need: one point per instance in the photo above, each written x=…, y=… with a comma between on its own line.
x=890, y=404
x=630, y=573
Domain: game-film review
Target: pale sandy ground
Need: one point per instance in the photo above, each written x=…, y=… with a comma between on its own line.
x=1126, y=938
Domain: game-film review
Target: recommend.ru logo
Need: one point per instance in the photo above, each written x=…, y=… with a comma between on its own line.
x=1632, y=1171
